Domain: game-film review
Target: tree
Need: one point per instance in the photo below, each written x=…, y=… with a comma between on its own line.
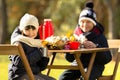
x=108, y=11
x=13, y=10
x=3, y=21
x=64, y=14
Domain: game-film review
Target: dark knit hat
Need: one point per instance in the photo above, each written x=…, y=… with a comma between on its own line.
x=88, y=13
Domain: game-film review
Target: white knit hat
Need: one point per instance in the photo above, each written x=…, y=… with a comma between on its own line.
x=28, y=19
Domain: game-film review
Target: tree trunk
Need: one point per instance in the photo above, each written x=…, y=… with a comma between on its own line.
x=113, y=6
x=110, y=19
x=3, y=22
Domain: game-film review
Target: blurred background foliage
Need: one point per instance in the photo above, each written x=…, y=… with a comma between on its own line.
x=64, y=15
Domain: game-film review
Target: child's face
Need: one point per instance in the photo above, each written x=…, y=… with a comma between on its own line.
x=86, y=25
x=30, y=31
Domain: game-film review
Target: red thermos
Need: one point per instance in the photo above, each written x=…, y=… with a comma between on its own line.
x=46, y=29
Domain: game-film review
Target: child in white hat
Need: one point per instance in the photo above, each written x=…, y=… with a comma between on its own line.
x=27, y=34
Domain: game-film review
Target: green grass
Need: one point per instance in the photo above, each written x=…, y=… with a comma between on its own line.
x=4, y=67
x=58, y=61
x=3, y=71
x=54, y=72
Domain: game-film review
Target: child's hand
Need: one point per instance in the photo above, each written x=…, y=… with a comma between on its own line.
x=89, y=44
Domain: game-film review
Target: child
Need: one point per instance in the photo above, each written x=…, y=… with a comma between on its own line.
x=90, y=33
x=27, y=34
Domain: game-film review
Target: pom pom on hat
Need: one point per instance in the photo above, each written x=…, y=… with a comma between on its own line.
x=89, y=5
x=88, y=13
x=28, y=19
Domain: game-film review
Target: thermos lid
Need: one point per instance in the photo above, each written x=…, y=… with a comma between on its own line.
x=47, y=19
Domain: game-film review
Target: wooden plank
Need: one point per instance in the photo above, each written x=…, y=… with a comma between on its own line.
x=114, y=43
x=25, y=62
x=60, y=51
x=62, y=67
x=92, y=50
x=81, y=68
x=116, y=64
x=6, y=49
x=109, y=77
x=80, y=50
x=91, y=64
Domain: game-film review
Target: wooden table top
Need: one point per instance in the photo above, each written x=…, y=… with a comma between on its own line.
x=81, y=50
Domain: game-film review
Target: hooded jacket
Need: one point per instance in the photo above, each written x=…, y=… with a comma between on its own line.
x=35, y=58
x=97, y=37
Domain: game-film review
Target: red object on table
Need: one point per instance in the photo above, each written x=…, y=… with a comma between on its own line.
x=74, y=45
x=46, y=29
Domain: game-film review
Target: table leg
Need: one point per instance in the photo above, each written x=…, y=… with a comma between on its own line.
x=80, y=66
x=90, y=64
x=51, y=62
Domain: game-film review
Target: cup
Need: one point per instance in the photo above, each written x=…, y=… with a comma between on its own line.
x=74, y=45
x=45, y=52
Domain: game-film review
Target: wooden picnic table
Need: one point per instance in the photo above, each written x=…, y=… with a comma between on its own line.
x=77, y=54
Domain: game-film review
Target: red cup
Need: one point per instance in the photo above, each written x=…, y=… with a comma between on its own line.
x=74, y=45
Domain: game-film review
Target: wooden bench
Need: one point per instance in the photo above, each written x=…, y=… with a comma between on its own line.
x=113, y=43
x=7, y=49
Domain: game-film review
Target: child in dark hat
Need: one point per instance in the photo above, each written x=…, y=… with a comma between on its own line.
x=27, y=34
x=90, y=33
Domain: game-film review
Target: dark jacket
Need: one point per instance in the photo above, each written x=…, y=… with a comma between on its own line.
x=97, y=37
x=34, y=55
